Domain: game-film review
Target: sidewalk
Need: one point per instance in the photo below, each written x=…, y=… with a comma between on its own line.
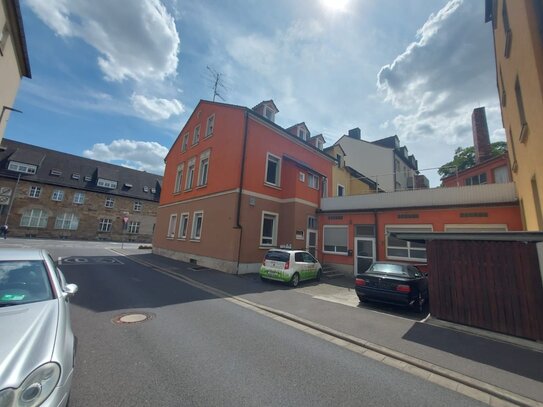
x=509, y=366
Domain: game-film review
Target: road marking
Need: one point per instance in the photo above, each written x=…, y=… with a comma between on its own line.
x=465, y=385
x=85, y=261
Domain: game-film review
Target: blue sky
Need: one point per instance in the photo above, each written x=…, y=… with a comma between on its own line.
x=116, y=80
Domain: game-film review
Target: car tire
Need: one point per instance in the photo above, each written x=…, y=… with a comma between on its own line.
x=295, y=280
x=420, y=304
x=361, y=299
x=319, y=275
x=263, y=279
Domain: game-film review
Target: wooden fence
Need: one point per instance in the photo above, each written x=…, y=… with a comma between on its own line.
x=493, y=285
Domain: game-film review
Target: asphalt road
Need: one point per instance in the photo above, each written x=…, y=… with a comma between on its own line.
x=199, y=350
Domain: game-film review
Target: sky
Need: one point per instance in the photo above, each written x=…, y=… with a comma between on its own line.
x=117, y=80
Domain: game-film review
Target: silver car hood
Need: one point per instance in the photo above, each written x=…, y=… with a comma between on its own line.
x=27, y=339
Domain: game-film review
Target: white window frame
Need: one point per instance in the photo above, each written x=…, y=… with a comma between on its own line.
x=320, y=144
x=414, y=228
x=339, y=253
x=34, y=218
x=271, y=116
x=171, y=226
x=194, y=235
x=133, y=227
x=210, y=128
x=337, y=191
x=196, y=135
x=178, y=178
x=58, y=195
x=203, y=168
x=34, y=191
x=301, y=176
x=185, y=142
x=183, y=225
x=109, y=202
x=277, y=172
x=191, y=167
x=66, y=221
x=106, y=183
x=105, y=225
x=79, y=198
x=313, y=181
x=302, y=133
x=275, y=228
x=22, y=167
x=459, y=227
x=138, y=206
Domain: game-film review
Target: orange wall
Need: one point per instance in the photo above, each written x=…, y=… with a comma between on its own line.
x=263, y=140
x=226, y=145
x=438, y=218
x=486, y=167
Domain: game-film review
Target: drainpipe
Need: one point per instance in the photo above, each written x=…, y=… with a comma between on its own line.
x=242, y=172
x=13, y=197
x=376, y=234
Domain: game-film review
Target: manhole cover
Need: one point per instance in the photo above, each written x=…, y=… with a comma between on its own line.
x=132, y=318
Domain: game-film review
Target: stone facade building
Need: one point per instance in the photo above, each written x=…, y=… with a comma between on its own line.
x=49, y=194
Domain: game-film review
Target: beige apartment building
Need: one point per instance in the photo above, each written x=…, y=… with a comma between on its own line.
x=518, y=45
x=14, y=62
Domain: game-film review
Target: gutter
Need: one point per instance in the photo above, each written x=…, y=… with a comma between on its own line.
x=241, y=175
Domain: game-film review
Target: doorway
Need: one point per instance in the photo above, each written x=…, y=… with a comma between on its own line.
x=364, y=253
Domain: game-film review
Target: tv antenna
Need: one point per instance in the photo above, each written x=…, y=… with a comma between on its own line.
x=217, y=85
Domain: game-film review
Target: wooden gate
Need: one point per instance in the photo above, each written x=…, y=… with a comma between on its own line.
x=493, y=285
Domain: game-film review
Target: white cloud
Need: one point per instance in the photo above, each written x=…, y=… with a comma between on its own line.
x=156, y=108
x=135, y=39
x=140, y=155
x=439, y=79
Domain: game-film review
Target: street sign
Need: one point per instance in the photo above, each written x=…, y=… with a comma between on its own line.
x=125, y=219
x=5, y=195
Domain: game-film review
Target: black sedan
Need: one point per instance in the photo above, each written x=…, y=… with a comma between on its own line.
x=393, y=283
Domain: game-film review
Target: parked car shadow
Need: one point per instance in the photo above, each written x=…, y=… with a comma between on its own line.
x=395, y=310
x=500, y=355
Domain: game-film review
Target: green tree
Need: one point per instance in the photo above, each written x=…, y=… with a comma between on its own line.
x=464, y=158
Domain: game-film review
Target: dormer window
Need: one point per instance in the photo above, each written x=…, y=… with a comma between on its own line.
x=75, y=175
x=269, y=113
x=302, y=133
x=21, y=167
x=88, y=178
x=56, y=173
x=126, y=185
x=145, y=189
x=320, y=144
x=106, y=183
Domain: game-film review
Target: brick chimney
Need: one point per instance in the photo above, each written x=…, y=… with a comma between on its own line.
x=481, y=139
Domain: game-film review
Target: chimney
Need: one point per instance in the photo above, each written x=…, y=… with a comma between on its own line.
x=481, y=139
x=355, y=133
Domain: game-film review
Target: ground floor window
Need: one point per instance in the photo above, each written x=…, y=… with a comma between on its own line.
x=402, y=250
x=335, y=239
x=268, y=230
x=171, y=226
x=67, y=221
x=183, y=225
x=34, y=218
x=134, y=227
x=197, y=222
x=105, y=225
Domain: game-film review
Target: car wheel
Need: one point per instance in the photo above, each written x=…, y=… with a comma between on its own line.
x=361, y=299
x=319, y=275
x=295, y=280
x=420, y=304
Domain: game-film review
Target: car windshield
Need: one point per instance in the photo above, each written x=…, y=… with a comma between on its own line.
x=383, y=268
x=277, y=256
x=22, y=282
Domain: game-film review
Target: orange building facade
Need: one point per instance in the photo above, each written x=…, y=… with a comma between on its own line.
x=235, y=185
x=357, y=230
x=493, y=171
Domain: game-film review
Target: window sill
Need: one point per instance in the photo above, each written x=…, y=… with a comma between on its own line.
x=195, y=240
x=182, y=238
x=336, y=253
x=194, y=144
x=266, y=247
x=188, y=190
x=208, y=136
x=267, y=184
x=201, y=186
x=169, y=237
x=177, y=193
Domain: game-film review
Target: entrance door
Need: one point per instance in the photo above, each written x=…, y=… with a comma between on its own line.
x=365, y=253
x=312, y=242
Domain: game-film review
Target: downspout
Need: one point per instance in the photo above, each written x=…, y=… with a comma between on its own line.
x=376, y=234
x=241, y=175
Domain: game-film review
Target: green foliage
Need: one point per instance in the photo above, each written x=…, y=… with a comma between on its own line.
x=464, y=158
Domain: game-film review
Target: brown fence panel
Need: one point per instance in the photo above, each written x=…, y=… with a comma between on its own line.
x=487, y=284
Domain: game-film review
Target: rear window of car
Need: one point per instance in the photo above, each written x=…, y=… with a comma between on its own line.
x=278, y=256
x=393, y=269
x=22, y=282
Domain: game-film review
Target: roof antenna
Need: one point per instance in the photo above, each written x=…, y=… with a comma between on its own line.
x=216, y=83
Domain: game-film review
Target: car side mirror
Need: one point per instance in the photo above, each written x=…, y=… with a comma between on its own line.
x=70, y=290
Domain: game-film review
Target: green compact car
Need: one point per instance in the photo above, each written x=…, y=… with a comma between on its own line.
x=290, y=266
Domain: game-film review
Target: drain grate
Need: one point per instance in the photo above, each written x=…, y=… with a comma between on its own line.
x=132, y=318
x=197, y=268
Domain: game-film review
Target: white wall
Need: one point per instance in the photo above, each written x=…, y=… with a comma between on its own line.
x=373, y=161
